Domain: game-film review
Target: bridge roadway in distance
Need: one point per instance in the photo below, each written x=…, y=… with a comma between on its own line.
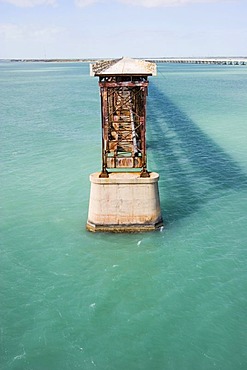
x=189, y=60
x=220, y=60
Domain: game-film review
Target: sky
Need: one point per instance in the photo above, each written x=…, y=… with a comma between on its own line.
x=115, y=28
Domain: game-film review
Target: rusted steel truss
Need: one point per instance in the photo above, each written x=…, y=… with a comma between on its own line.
x=123, y=104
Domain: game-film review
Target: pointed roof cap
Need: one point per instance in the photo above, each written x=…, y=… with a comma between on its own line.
x=123, y=66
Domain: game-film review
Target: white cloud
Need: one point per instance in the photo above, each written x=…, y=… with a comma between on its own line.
x=84, y=3
x=29, y=3
x=146, y=3
x=31, y=41
x=157, y=3
x=12, y=31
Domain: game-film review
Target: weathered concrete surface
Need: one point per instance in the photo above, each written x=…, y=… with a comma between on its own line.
x=123, y=66
x=124, y=202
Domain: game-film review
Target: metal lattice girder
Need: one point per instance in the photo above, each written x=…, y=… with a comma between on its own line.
x=123, y=88
x=123, y=124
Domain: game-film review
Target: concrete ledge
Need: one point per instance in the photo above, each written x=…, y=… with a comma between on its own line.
x=124, y=178
x=124, y=228
x=124, y=202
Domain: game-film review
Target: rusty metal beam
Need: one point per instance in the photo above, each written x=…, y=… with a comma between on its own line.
x=123, y=84
x=123, y=111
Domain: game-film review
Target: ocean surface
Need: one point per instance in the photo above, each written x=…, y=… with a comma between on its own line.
x=173, y=299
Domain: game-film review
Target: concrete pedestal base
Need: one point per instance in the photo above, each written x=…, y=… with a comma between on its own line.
x=124, y=202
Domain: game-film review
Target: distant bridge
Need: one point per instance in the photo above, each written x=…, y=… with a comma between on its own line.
x=224, y=61
x=209, y=60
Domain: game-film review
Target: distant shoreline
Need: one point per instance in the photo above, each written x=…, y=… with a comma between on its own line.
x=187, y=60
x=49, y=60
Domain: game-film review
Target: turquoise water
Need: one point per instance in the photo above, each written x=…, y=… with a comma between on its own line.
x=174, y=299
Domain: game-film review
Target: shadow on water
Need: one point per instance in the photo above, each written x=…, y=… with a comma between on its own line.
x=192, y=167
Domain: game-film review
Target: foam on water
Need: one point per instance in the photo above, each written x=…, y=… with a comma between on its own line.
x=174, y=299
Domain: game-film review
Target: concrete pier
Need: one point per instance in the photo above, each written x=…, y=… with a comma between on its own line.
x=124, y=202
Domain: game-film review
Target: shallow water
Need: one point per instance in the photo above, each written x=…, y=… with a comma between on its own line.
x=171, y=299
